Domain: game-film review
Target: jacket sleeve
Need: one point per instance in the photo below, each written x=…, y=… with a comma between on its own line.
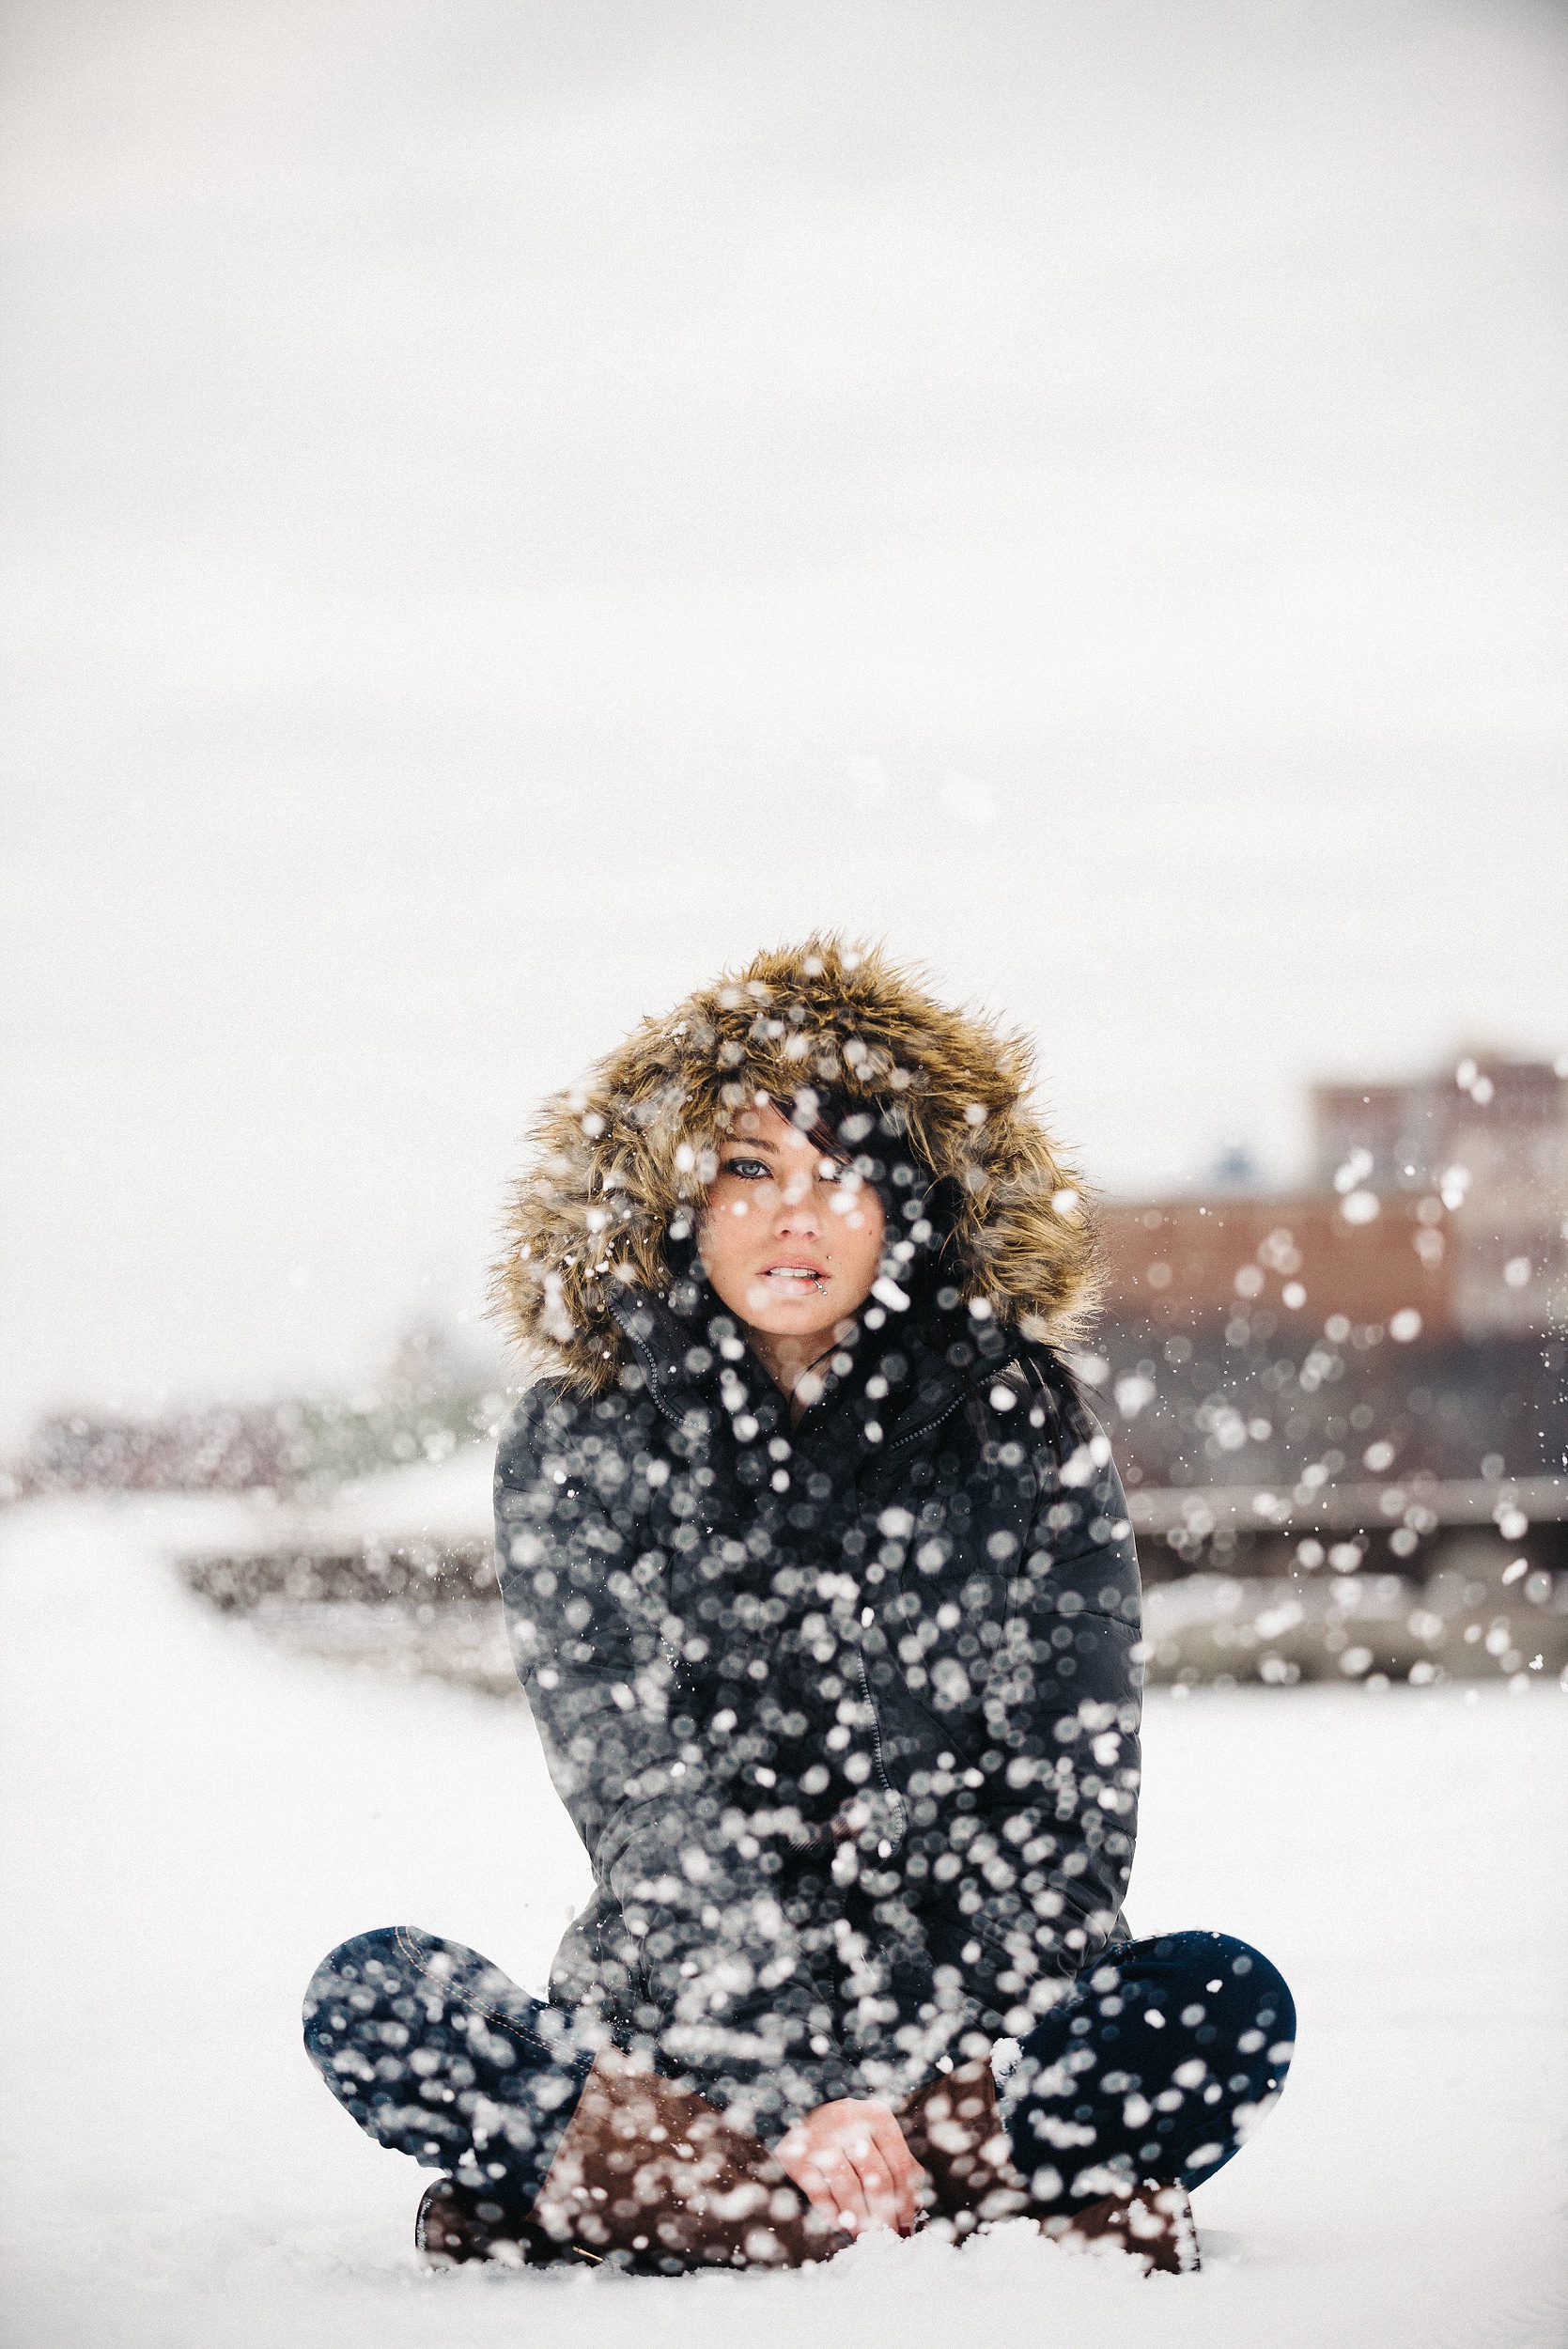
x=687, y=1946
x=1050, y=1853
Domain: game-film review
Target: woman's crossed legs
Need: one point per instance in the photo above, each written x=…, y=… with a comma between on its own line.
x=1152, y=2071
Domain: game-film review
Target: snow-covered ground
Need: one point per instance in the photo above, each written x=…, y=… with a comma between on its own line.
x=191, y=1819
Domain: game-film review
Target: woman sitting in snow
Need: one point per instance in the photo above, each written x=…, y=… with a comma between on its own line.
x=819, y=1580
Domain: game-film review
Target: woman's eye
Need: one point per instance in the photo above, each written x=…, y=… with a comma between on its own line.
x=749, y=1169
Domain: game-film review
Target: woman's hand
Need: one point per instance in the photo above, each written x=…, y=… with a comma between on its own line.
x=850, y=2161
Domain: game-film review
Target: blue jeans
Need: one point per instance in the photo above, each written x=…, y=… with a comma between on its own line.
x=435, y=2053
x=1154, y=2068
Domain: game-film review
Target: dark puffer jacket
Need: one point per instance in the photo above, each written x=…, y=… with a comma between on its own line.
x=845, y=1713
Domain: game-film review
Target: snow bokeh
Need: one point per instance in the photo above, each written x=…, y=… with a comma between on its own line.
x=190, y=1819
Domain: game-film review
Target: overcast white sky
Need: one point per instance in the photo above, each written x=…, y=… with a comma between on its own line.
x=509, y=506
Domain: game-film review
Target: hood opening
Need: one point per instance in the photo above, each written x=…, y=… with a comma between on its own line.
x=935, y=1104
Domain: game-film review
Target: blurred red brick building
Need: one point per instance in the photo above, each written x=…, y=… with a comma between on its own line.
x=1436, y=1209
x=1405, y=1312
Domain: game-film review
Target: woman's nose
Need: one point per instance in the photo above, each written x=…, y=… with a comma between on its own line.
x=799, y=1209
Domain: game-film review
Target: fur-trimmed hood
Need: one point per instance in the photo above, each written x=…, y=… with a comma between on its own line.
x=618, y=1164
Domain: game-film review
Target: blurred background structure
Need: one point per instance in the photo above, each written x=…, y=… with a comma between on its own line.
x=1415, y=1284
x=506, y=509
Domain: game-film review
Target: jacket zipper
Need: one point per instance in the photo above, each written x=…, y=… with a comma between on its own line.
x=651, y=1366
x=956, y=1404
x=895, y=1800
x=930, y=1427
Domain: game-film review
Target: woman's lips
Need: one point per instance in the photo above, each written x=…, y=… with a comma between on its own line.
x=793, y=1272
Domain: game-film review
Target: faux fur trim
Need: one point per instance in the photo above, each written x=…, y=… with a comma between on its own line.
x=617, y=1159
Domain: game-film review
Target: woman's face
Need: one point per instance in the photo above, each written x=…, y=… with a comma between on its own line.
x=790, y=1241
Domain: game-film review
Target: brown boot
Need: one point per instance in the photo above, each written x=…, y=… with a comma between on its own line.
x=651, y=2177
x=953, y=2128
x=1154, y=2225
x=459, y=2223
